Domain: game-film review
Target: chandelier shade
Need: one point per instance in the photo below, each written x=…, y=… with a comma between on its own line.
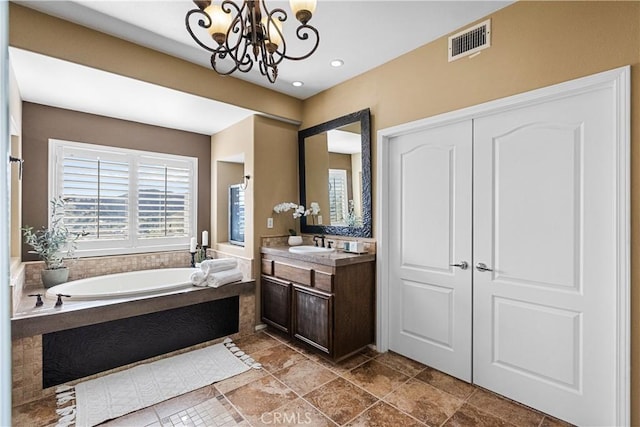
x=240, y=36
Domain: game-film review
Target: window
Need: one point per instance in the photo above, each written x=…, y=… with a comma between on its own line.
x=125, y=200
x=236, y=215
x=338, y=196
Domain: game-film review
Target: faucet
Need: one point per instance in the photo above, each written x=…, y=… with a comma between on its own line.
x=320, y=237
x=59, y=300
x=39, y=302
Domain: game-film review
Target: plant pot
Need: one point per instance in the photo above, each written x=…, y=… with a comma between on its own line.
x=295, y=240
x=54, y=277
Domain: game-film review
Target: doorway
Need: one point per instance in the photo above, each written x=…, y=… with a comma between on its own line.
x=503, y=235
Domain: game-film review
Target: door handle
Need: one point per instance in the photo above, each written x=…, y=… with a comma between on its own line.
x=463, y=265
x=481, y=266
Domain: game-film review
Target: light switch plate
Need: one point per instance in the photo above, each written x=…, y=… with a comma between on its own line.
x=269, y=222
x=319, y=219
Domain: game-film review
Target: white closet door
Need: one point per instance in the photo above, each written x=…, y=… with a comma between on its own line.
x=545, y=224
x=430, y=217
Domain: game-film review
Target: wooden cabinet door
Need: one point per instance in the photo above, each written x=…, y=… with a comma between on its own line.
x=312, y=317
x=276, y=303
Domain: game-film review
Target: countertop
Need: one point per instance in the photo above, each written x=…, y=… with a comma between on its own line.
x=332, y=259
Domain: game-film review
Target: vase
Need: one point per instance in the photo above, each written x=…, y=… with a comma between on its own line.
x=54, y=277
x=295, y=240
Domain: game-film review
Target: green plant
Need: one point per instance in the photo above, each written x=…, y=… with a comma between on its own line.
x=352, y=219
x=53, y=243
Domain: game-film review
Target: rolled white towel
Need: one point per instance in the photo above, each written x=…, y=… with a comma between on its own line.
x=220, y=278
x=198, y=278
x=218, y=264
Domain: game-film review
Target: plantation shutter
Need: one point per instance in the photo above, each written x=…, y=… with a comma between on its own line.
x=164, y=199
x=95, y=188
x=125, y=201
x=337, y=195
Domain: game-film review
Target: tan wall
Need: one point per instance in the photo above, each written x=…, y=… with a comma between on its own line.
x=534, y=44
x=276, y=173
x=41, y=33
x=276, y=181
x=231, y=142
x=42, y=122
x=270, y=150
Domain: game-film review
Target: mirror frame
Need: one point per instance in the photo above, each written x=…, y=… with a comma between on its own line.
x=364, y=117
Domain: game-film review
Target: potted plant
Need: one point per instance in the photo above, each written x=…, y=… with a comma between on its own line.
x=298, y=211
x=52, y=245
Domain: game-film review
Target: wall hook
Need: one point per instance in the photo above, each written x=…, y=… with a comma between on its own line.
x=245, y=182
x=21, y=161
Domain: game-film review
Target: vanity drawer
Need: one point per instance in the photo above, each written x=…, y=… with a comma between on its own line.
x=267, y=267
x=294, y=273
x=323, y=281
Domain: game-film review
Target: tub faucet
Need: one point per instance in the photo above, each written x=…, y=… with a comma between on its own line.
x=39, y=302
x=320, y=237
x=59, y=301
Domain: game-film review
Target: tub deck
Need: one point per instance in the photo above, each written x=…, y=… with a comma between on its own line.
x=29, y=320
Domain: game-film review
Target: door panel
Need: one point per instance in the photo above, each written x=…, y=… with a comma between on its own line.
x=545, y=223
x=538, y=184
x=427, y=313
x=430, y=216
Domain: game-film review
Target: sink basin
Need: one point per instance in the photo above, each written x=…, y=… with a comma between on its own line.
x=310, y=250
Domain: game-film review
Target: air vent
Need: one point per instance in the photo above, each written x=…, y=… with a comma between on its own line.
x=470, y=40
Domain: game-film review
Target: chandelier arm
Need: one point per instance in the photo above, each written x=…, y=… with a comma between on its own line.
x=215, y=68
x=203, y=22
x=302, y=32
x=268, y=68
x=235, y=44
x=271, y=18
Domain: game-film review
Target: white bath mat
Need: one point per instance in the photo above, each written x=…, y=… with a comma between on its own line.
x=144, y=385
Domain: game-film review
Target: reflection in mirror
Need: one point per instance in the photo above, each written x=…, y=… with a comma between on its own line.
x=335, y=172
x=333, y=164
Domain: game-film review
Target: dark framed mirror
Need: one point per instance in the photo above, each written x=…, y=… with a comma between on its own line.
x=334, y=163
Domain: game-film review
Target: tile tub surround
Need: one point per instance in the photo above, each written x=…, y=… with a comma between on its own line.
x=27, y=331
x=297, y=387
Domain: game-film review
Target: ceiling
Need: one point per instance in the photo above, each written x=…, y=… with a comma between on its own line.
x=364, y=34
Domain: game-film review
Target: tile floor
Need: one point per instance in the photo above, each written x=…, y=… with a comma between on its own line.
x=298, y=387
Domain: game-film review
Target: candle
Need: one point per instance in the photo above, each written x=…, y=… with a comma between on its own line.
x=194, y=245
x=205, y=238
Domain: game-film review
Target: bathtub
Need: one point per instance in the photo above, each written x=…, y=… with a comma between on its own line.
x=130, y=284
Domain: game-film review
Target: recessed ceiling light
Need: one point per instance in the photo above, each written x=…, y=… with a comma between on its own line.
x=297, y=84
x=337, y=63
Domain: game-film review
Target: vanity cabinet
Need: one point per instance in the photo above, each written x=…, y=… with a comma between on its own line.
x=325, y=301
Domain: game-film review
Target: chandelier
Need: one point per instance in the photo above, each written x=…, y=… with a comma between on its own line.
x=243, y=35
